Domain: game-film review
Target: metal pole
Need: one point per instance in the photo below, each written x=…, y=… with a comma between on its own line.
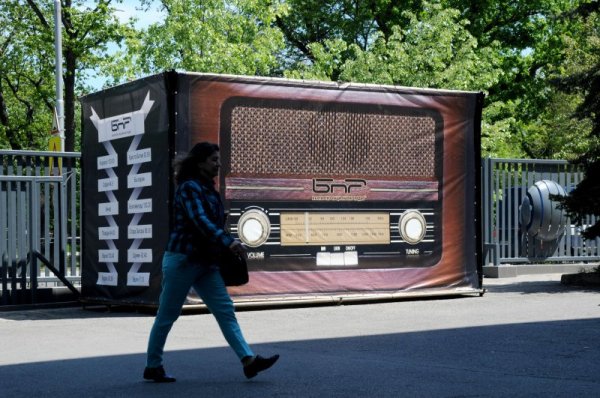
x=33, y=239
x=59, y=73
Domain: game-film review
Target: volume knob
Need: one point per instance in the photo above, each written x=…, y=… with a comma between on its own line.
x=254, y=227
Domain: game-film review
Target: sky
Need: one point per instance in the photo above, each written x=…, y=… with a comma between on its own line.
x=127, y=10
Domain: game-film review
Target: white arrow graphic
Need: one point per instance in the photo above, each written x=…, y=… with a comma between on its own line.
x=135, y=255
x=129, y=124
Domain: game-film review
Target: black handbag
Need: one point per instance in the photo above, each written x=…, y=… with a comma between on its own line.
x=233, y=268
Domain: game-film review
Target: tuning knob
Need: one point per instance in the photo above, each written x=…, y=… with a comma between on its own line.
x=412, y=226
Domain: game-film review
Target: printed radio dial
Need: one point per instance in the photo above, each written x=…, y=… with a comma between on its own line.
x=254, y=227
x=412, y=226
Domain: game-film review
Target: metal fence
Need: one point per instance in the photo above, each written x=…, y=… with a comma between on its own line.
x=505, y=183
x=40, y=225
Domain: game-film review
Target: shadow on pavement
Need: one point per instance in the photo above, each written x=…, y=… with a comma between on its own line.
x=541, y=359
x=75, y=313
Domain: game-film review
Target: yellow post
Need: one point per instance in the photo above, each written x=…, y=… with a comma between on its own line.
x=55, y=145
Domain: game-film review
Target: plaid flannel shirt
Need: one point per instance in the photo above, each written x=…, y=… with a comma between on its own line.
x=199, y=222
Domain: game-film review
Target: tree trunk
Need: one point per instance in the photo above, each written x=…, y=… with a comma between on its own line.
x=69, y=81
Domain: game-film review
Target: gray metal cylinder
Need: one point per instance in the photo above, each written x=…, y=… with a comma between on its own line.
x=540, y=216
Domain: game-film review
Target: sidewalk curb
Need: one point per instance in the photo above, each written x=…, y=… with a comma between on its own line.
x=512, y=270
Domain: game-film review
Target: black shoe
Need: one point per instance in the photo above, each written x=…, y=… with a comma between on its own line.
x=258, y=365
x=158, y=375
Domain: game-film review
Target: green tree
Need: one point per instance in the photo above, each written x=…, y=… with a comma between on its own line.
x=431, y=47
x=26, y=87
x=329, y=23
x=581, y=76
x=532, y=37
x=27, y=90
x=433, y=50
x=216, y=36
x=504, y=49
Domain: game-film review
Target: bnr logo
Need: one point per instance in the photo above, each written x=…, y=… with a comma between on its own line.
x=121, y=123
x=256, y=255
x=328, y=185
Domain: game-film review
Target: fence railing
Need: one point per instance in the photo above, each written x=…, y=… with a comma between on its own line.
x=40, y=225
x=505, y=183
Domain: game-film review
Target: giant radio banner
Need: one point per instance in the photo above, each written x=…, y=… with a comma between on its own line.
x=343, y=188
x=125, y=166
x=335, y=189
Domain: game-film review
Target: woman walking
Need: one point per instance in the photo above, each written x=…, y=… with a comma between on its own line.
x=196, y=239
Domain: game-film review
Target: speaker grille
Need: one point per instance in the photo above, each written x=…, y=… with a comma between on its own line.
x=284, y=141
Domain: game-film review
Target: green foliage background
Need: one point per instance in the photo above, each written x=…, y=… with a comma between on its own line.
x=511, y=51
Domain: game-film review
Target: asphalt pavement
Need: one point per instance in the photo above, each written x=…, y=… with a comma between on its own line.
x=527, y=336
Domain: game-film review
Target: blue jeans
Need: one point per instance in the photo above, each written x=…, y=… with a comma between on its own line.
x=178, y=276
